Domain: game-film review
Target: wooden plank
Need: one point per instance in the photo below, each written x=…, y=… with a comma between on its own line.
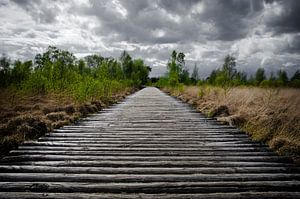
x=142, y=145
x=144, y=170
x=46, y=157
x=118, y=178
x=141, y=153
x=173, y=163
x=157, y=187
x=240, y=195
x=144, y=141
x=166, y=149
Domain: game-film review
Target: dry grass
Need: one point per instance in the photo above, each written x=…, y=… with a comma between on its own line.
x=270, y=115
x=24, y=117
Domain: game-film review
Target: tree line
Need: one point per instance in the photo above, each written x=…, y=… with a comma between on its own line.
x=57, y=70
x=227, y=75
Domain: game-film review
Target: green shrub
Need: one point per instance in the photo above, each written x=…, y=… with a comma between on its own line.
x=266, y=83
x=35, y=84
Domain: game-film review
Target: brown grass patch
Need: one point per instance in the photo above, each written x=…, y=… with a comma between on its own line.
x=56, y=116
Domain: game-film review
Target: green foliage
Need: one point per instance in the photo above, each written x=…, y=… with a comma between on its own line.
x=135, y=70
x=174, y=69
x=195, y=75
x=5, y=71
x=185, y=77
x=176, y=72
x=162, y=82
x=282, y=79
x=225, y=77
x=266, y=83
x=127, y=64
x=36, y=84
x=201, y=93
x=229, y=67
x=52, y=55
x=295, y=80
x=85, y=79
x=140, y=72
x=88, y=88
x=240, y=79
x=260, y=76
x=93, y=61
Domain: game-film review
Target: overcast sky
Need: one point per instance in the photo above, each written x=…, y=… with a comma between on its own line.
x=258, y=33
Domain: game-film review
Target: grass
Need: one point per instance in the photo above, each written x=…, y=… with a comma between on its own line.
x=270, y=115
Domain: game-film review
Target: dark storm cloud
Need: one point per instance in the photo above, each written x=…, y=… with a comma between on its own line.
x=40, y=11
x=178, y=6
x=137, y=23
x=288, y=20
x=229, y=19
x=3, y=3
x=294, y=45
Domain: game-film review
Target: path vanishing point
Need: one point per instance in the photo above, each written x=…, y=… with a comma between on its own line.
x=148, y=146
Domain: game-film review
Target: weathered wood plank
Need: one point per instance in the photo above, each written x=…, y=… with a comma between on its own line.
x=173, y=163
x=47, y=157
x=157, y=187
x=242, y=195
x=145, y=170
x=140, y=153
x=134, y=178
x=143, y=145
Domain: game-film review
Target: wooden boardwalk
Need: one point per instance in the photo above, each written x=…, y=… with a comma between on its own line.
x=149, y=146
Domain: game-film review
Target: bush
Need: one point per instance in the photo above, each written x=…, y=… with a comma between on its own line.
x=295, y=83
x=266, y=83
x=36, y=84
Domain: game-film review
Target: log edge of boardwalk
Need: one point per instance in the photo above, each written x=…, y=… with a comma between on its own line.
x=151, y=145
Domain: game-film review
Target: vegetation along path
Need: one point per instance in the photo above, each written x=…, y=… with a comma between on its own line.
x=149, y=146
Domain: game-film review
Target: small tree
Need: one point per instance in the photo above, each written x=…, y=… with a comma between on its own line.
x=174, y=69
x=173, y=75
x=295, y=80
x=127, y=64
x=93, y=61
x=185, y=77
x=212, y=77
x=260, y=76
x=21, y=71
x=81, y=66
x=225, y=77
x=229, y=67
x=141, y=71
x=282, y=78
x=240, y=79
x=4, y=71
x=195, y=74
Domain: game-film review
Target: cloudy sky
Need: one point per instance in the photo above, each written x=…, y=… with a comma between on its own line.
x=258, y=33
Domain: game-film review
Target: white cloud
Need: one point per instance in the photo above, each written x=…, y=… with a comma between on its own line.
x=158, y=33
x=119, y=8
x=198, y=8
